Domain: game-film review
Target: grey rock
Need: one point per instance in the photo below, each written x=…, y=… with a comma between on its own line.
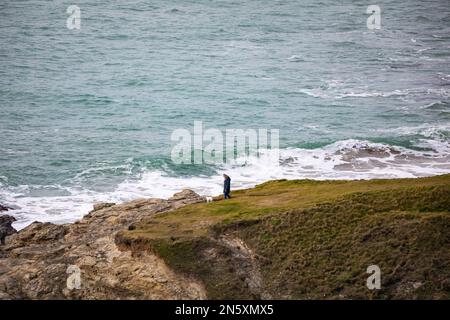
x=4, y=208
x=102, y=205
x=6, y=228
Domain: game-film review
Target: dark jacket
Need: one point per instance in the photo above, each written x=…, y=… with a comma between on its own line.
x=227, y=185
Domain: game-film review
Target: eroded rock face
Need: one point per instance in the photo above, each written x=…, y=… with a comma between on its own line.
x=3, y=208
x=44, y=260
x=6, y=228
x=186, y=195
x=102, y=205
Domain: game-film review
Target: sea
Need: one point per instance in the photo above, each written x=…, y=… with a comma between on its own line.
x=92, y=90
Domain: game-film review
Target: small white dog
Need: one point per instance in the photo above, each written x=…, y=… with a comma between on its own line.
x=209, y=199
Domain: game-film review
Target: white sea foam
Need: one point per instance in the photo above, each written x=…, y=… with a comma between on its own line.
x=331, y=92
x=295, y=58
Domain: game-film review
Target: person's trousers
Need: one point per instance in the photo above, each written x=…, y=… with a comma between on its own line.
x=226, y=195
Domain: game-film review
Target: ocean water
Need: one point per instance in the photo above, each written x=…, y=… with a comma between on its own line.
x=86, y=115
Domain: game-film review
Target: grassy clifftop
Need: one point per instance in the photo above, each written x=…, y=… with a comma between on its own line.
x=310, y=239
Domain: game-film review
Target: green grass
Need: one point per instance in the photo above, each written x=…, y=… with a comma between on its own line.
x=312, y=239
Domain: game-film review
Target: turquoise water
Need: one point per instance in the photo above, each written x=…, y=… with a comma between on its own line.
x=86, y=115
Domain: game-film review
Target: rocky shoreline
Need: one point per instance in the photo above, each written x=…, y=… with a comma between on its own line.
x=35, y=263
x=284, y=239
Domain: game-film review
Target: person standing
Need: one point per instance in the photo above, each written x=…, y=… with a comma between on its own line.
x=226, y=186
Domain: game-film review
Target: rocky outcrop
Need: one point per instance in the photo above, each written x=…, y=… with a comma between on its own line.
x=6, y=228
x=185, y=197
x=102, y=205
x=4, y=208
x=82, y=261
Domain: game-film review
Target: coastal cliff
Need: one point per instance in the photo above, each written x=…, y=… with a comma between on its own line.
x=297, y=239
x=34, y=263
